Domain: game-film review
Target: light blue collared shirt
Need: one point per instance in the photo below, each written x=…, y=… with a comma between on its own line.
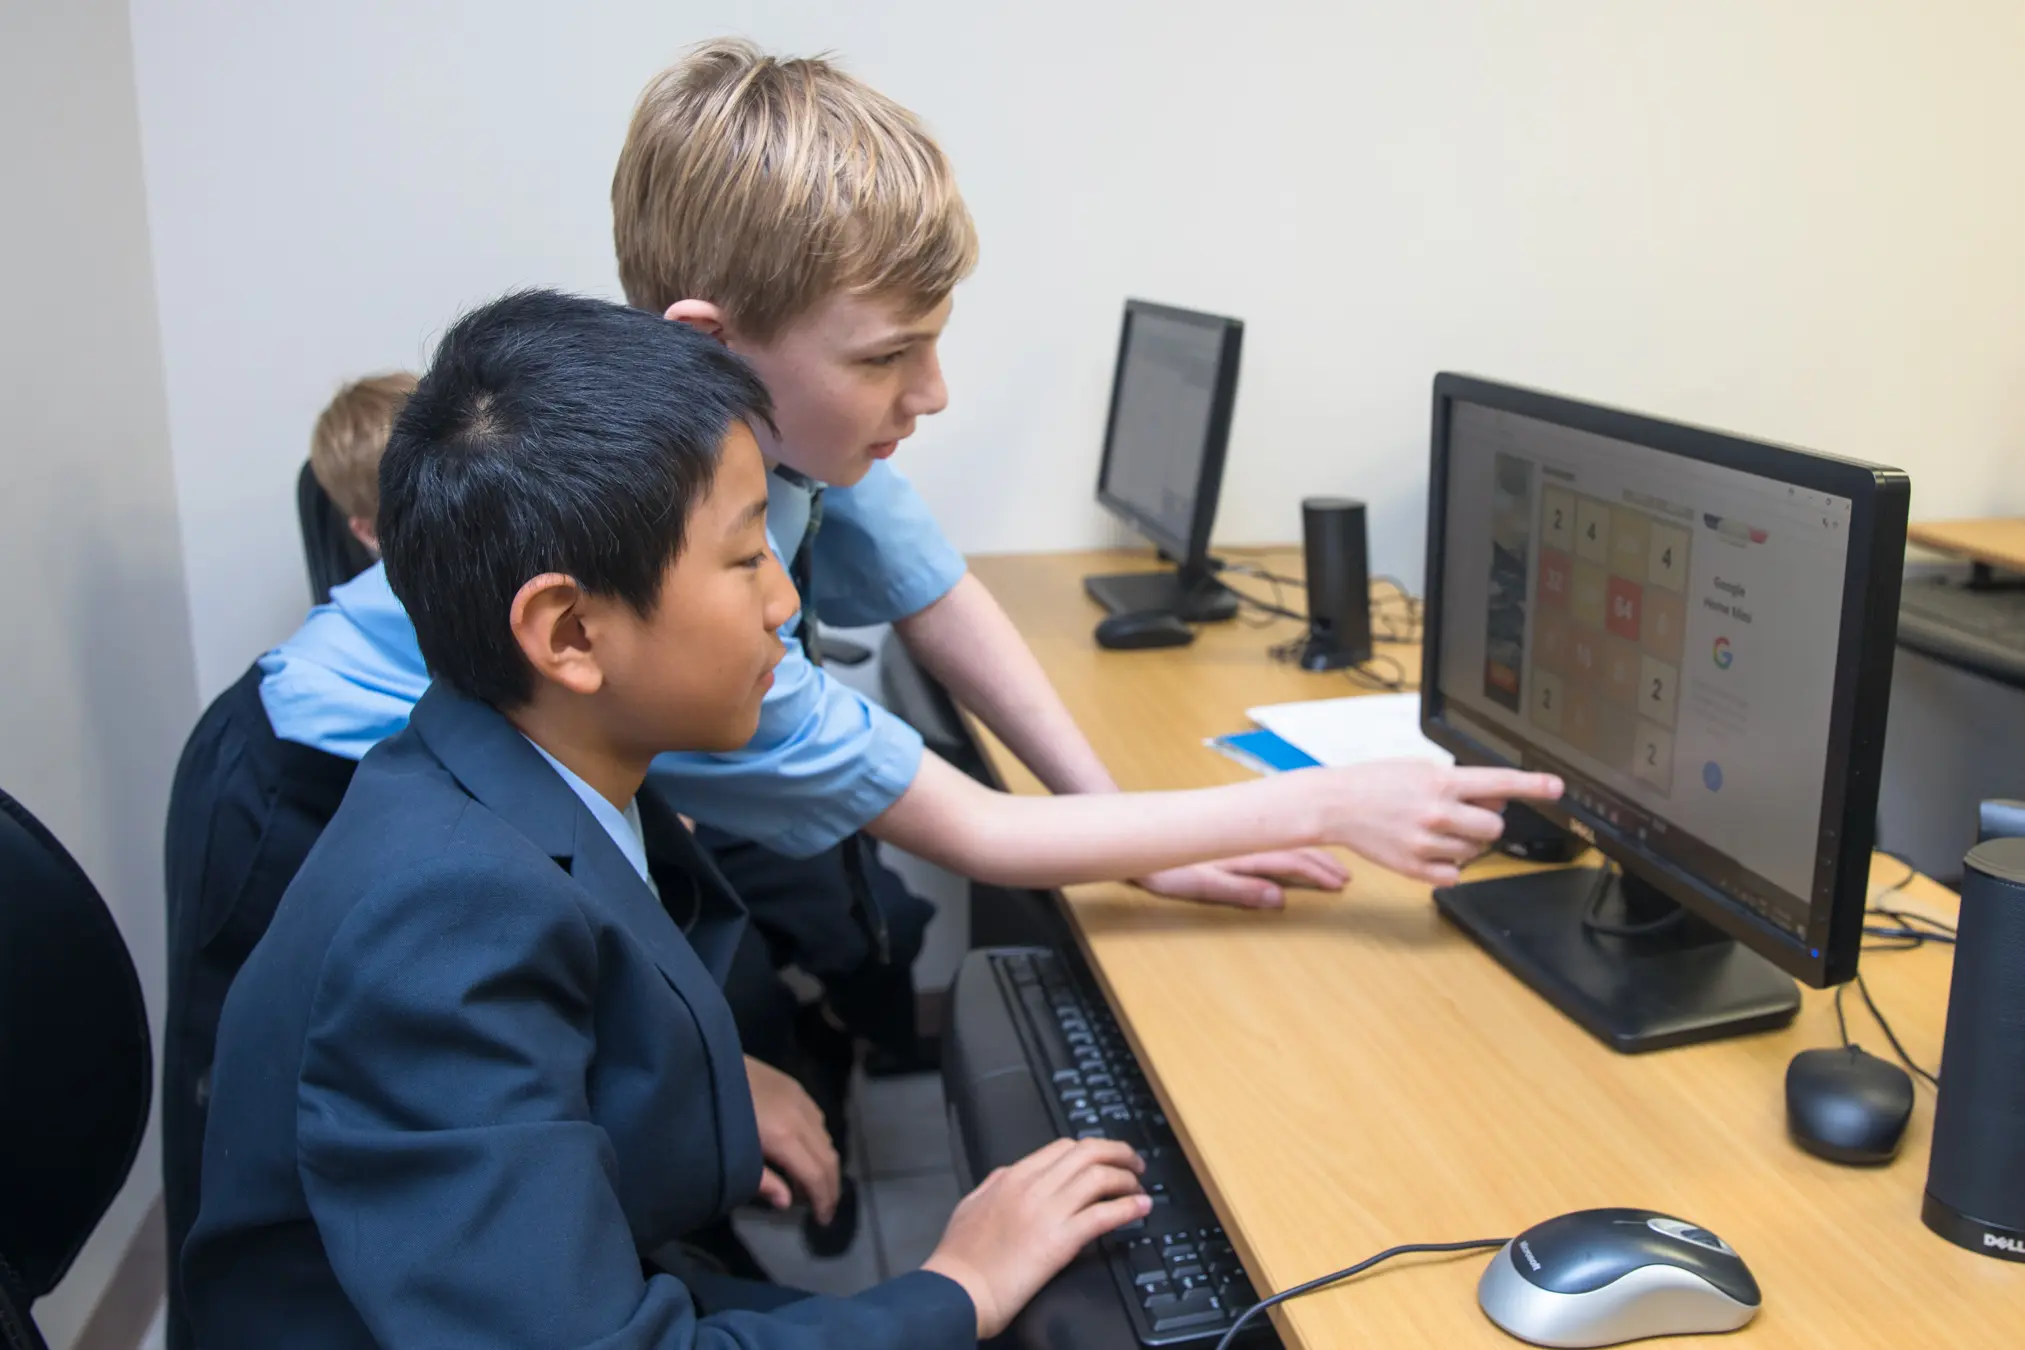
x=624, y=826
x=879, y=556
x=825, y=761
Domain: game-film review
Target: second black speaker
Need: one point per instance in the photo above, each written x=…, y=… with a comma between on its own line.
x=1976, y=1178
x=1339, y=583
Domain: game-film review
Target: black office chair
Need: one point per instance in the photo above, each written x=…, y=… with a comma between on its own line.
x=329, y=549
x=76, y=1066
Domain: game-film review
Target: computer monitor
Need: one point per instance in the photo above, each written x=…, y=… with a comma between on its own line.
x=1695, y=630
x=1164, y=442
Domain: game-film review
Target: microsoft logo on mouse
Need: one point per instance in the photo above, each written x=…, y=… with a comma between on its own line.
x=1723, y=655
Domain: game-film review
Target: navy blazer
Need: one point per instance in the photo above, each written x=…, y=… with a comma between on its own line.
x=474, y=1070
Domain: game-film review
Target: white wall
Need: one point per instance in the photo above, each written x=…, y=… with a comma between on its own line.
x=97, y=684
x=1801, y=219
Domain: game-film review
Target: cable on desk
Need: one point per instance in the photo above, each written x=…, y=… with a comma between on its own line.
x=1913, y=931
x=1371, y=679
x=1277, y=610
x=1842, y=1026
x=1411, y=612
x=1395, y=611
x=1389, y=677
x=1245, y=569
x=1474, y=1244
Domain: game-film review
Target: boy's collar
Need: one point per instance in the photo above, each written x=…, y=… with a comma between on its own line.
x=504, y=772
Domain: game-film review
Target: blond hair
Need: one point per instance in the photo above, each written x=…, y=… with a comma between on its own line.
x=351, y=435
x=765, y=186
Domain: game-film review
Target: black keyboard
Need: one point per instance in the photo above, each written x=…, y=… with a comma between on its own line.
x=1175, y=1270
x=1981, y=628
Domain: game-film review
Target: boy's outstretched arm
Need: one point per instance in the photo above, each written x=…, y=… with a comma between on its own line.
x=968, y=643
x=1415, y=817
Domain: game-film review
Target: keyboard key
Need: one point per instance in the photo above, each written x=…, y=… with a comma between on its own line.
x=1184, y=1315
x=1053, y=1050
x=1147, y=1267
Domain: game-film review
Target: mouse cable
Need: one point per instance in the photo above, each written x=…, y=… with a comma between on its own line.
x=1345, y=1274
x=1842, y=1026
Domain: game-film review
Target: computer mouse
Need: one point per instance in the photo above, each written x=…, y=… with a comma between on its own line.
x=1142, y=628
x=1602, y=1276
x=1847, y=1105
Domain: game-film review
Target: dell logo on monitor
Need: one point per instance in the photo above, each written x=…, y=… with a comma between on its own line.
x=2015, y=1246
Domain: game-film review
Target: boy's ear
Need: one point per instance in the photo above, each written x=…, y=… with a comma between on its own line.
x=547, y=619
x=700, y=315
x=363, y=531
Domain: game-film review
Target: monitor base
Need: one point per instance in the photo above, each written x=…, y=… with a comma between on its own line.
x=1679, y=983
x=1193, y=599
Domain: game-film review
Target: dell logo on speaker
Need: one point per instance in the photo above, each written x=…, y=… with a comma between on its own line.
x=2015, y=1246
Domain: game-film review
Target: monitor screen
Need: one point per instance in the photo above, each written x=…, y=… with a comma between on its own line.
x=1662, y=630
x=1170, y=413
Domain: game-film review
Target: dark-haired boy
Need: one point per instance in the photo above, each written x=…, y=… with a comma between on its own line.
x=480, y=1064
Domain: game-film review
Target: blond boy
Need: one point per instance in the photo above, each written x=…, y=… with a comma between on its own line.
x=345, y=448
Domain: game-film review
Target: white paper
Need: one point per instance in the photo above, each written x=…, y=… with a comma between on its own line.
x=1354, y=730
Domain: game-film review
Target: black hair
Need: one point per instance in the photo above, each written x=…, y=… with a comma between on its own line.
x=551, y=433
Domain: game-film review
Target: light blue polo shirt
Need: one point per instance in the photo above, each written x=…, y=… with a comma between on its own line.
x=879, y=555
x=825, y=761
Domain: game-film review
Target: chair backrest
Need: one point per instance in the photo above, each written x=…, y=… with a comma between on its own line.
x=76, y=1064
x=329, y=549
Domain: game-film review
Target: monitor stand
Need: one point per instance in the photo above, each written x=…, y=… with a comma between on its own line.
x=1680, y=983
x=1195, y=596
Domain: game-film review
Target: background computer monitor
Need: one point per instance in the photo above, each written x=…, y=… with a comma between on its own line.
x=1164, y=441
x=1696, y=631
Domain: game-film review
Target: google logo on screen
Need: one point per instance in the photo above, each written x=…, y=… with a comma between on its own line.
x=1722, y=654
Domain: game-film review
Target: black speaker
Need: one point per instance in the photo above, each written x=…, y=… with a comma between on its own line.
x=1976, y=1178
x=1339, y=583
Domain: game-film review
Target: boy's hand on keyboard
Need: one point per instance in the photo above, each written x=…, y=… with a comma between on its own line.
x=1025, y=1222
x=1420, y=818
x=794, y=1142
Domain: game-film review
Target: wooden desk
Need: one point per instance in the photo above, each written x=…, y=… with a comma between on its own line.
x=1352, y=1072
x=1992, y=543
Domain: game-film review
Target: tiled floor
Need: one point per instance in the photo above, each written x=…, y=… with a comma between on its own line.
x=907, y=1189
